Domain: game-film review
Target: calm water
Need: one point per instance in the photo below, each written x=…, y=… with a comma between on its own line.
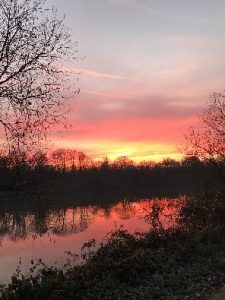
x=48, y=235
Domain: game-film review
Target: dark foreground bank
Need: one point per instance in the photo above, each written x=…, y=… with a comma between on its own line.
x=186, y=262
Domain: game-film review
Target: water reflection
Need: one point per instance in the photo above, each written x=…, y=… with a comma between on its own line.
x=49, y=233
x=156, y=212
x=163, y=213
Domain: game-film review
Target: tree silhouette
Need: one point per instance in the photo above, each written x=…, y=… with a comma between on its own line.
x=70, y=159
x=208, y=141
x=34, y=44
x=191, y=161
x=122, y=162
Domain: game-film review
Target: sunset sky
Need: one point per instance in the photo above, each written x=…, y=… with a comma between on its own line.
x=148, y=69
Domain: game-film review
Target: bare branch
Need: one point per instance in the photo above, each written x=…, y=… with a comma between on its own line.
x=34, y=44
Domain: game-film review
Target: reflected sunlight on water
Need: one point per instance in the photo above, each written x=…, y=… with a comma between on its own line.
x=48, y=234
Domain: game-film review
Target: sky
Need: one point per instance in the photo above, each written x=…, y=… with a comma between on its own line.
x=147, y=71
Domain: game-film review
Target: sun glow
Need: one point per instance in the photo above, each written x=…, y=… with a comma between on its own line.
x=137, y=151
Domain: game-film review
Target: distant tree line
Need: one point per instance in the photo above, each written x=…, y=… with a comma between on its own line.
x=66, y=160
x=74, y=168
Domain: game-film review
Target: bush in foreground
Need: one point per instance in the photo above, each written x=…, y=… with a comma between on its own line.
x=184, y=262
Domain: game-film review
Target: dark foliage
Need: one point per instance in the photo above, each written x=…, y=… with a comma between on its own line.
x=179, y=263
x=19, y=172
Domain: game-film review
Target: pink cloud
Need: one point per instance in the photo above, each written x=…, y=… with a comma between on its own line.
x=94, y=73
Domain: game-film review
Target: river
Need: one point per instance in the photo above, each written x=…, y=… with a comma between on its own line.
x=49, y=233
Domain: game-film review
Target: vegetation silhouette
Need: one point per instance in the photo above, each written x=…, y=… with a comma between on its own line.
x=207, y=141
x=35, y=45
x=186, y=260
x=68, y=171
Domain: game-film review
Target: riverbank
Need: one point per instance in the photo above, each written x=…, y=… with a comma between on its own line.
x=185, y=262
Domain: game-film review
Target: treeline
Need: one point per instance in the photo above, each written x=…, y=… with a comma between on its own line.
x=66, y=170
x=66, y=160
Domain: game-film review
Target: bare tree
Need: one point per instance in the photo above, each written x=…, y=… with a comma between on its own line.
x=83, y=160
x=208, y=141
x=59, y=158
x=70, y=159
x=34, y=44
x=122, y=162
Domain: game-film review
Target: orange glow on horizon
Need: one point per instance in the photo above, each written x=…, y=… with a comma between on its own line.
x=137, y=151
x=140, y=139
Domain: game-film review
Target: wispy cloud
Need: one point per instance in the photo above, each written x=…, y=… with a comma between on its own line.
x=94, y=73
